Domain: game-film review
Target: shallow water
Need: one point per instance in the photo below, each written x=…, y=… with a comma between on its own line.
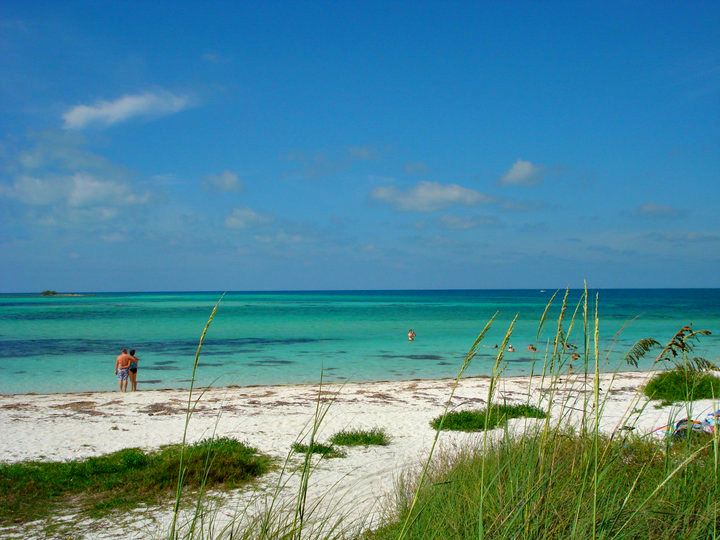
x=69, y=343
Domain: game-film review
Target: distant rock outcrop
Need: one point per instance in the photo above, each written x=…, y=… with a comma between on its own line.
x=55, y=293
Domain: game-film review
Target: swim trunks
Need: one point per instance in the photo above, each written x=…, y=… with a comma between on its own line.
x=122, y=374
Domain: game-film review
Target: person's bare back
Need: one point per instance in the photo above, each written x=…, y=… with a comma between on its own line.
x=122, y=365
x=123, y=361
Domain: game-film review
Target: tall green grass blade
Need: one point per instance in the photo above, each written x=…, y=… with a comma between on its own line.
x=491, y=391
x=190, y=410
x=544, y=313
x=596, y=398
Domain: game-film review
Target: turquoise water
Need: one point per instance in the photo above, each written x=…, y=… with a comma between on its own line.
x=70, y=343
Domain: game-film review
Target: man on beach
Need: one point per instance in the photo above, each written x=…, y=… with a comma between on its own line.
x=122, y=367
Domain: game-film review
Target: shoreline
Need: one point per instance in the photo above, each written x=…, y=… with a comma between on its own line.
x=302, y=384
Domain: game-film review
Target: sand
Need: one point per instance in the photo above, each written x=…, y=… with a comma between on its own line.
x=270, y=418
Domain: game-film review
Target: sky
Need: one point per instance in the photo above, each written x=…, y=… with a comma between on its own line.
x=150, y=146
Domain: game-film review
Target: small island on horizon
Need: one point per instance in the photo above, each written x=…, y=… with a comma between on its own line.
x=50, y=292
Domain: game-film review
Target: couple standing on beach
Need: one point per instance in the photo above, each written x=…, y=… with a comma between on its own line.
x=126, y=366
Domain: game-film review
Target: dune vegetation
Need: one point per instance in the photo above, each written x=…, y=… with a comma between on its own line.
x=482, y=419
x=361, y=437
x=326, y=450
x=564, y=484
x=680, y=385
x=122, y=480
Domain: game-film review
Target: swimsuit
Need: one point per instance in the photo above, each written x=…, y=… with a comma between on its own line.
x=133, y=367
x=122, y=374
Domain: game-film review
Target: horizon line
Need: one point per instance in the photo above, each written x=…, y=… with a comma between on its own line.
x=459, y=289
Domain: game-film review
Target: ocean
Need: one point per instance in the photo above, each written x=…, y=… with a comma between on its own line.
x=69, y=343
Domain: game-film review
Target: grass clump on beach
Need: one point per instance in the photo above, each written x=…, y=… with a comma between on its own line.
x=687, y=378
x=122, y=480
x=326, y=450
x=481, y=419
x=359, y=437
x=542, y=486
x=682, y=384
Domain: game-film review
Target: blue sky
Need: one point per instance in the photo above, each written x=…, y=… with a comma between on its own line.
x=358, y=145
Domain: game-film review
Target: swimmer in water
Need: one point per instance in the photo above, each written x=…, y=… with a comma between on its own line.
x=532, y=348
x=411, y=335
x=511, y=348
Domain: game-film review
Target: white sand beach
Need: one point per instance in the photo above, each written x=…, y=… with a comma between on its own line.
x=270, y=418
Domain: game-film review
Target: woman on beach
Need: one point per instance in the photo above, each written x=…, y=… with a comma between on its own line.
x=132, y=369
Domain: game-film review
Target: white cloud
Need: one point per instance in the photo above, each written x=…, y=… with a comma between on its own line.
x=107, y=113
x=429, y=196
x=79, y=190
x=61, y=150
x=113, y=237
x=89, y=191
x=241, y=218
x=35, y=191
x=466, y=222
x=281, y=237
x=56, y=184
x=522, y=173
x=225, y=181
x=214, y=57
x=657, y=210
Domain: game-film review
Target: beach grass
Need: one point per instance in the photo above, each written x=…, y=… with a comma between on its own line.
x=680, y=384
x=638, y=496
x=122, y=480
x=326, y=450
x=361, y=437
x=481, y=419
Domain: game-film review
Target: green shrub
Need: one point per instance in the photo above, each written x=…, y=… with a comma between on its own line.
x=326, y=450
x=359, y=437
x=478, y=420
x=121, y=480
x=681, y=384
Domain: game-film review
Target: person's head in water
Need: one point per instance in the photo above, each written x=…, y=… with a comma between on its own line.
x=132, y=352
